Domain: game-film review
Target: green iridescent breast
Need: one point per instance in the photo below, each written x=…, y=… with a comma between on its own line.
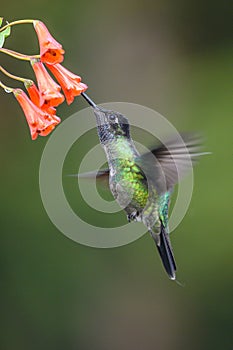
x=133, y=180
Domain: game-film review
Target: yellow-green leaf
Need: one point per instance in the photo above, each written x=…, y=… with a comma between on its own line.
x=3, y=35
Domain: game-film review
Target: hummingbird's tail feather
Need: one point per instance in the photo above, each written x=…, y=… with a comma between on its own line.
x=165, y=251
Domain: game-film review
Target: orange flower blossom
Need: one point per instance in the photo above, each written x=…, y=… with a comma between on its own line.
x=39, y=122
x=51, y=51
x=34, y=93
x=70, y=82
x=37, y=98
x=49, y=90
x=50, y=110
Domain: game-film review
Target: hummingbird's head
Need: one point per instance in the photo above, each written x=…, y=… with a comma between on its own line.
x=111, y=124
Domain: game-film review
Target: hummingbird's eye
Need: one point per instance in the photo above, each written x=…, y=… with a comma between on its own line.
x=112, y=117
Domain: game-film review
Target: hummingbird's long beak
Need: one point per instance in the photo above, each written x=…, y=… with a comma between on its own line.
x=98, y=111
x=89, y=100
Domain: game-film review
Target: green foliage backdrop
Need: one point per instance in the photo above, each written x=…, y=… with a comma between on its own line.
x=174, y=57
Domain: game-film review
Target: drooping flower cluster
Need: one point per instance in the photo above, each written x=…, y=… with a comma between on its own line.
x=39, y=106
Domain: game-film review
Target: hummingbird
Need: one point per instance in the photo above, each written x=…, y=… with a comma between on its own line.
x=143, y=184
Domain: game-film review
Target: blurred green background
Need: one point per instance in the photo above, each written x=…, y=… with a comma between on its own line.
x=176, y=58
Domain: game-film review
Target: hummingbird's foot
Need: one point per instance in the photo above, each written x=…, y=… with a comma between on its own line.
x=133, y=216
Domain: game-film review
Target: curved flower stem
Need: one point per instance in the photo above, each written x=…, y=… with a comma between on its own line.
x=18, y=55
x=6, y=88
x=15, y=77
x=21, y=21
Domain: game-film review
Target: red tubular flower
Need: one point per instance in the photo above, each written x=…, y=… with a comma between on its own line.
x=34, y=93
x=48, y=109
x=49, y=90
x=51, y=51
x=39, y=122
x=70, y=83
x=37, y=98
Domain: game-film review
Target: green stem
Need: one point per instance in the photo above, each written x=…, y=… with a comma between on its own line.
x=18, y=55
x=12, y=76
x=6, y=88
x=21, y=21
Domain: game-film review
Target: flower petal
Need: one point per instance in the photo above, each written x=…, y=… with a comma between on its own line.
x=48, y=88
x=51, y=51
x=70, y=82
x=34, y=94
x=39, y=122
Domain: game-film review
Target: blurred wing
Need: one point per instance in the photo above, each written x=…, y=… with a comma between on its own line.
x=102, y=176
x=176, y=158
